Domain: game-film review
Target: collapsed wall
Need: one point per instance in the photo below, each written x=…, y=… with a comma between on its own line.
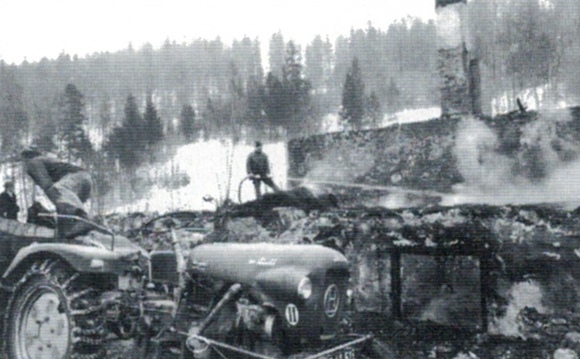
x=416, y=156
x=531, y=254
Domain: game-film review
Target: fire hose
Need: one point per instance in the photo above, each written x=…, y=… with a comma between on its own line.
x=180, y=259
x=240, y=187
x=248, y=177
x=230, y=294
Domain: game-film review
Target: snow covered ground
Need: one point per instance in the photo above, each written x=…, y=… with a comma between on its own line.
x=332, y=122
x=215, y=168
x=410, y=116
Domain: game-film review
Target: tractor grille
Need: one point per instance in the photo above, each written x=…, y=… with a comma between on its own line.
x=331, y=301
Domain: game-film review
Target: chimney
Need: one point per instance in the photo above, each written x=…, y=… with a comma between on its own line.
x=458, y=67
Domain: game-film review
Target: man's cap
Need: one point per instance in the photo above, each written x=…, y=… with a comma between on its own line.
x=31, y=150
x=258, y=144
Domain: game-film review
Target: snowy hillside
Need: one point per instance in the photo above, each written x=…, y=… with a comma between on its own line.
x=332, y=122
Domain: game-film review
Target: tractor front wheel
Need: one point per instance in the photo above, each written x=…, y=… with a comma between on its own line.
x=54, y=313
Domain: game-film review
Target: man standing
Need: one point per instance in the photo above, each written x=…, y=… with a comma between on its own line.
x=8, y=206
x=66, y=185
x=258, y=168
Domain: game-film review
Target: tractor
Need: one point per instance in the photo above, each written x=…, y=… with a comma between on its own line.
x=55, y=292
x=247, y=300
x=65, y=298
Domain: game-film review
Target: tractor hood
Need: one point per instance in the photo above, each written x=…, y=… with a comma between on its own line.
x=251, y=263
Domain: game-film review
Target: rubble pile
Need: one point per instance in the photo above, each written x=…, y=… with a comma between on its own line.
x=537, y=245
x=532, y=240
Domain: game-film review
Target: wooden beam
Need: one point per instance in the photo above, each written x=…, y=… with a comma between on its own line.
x=396, y=284
x=484, y=283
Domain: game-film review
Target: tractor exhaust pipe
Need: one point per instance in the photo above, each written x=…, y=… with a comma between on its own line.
x=230, y=294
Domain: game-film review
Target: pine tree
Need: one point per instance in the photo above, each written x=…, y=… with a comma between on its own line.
x=187, y=122
x=296, y=91
x=216, y=117
x=274, y=100
x=328, y=63
x=373, y=109
x=134, y=123
x=393, y=97
x=255, y=95
x=353, y=98
x=238, y=103
x=73, y=141
x=276, y=54
x=153, y=125
x=127, y=142
x=315, y=62
x=209, y=118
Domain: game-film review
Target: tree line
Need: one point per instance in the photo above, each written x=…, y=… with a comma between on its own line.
x=224, y=83
x=119, y=109
x=531, y=44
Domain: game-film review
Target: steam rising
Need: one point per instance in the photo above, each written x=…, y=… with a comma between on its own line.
x=339, y=165
x=480, y=166
x=492, y=177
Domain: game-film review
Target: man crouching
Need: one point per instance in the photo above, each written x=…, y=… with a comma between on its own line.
x=66, y=185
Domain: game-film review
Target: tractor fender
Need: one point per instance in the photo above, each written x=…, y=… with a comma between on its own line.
x=82, y=258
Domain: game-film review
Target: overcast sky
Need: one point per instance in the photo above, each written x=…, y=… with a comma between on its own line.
x=33, y=29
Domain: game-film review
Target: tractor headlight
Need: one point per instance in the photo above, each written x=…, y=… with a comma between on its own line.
x=305, y=288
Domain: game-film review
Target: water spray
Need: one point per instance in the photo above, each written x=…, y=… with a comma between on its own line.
x=390, y=189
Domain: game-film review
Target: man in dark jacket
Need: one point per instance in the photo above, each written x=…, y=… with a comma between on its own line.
x=8, y=206
x=36, y=215
x=66, y=185
x=258, y=168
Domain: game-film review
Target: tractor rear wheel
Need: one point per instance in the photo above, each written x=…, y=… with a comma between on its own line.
x=54, y=313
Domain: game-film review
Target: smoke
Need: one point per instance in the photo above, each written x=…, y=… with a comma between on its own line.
x=543, y=169
x=340, y=165
x=461, y=307
x=457, y=307
x=477, y=159
x=521, y=295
